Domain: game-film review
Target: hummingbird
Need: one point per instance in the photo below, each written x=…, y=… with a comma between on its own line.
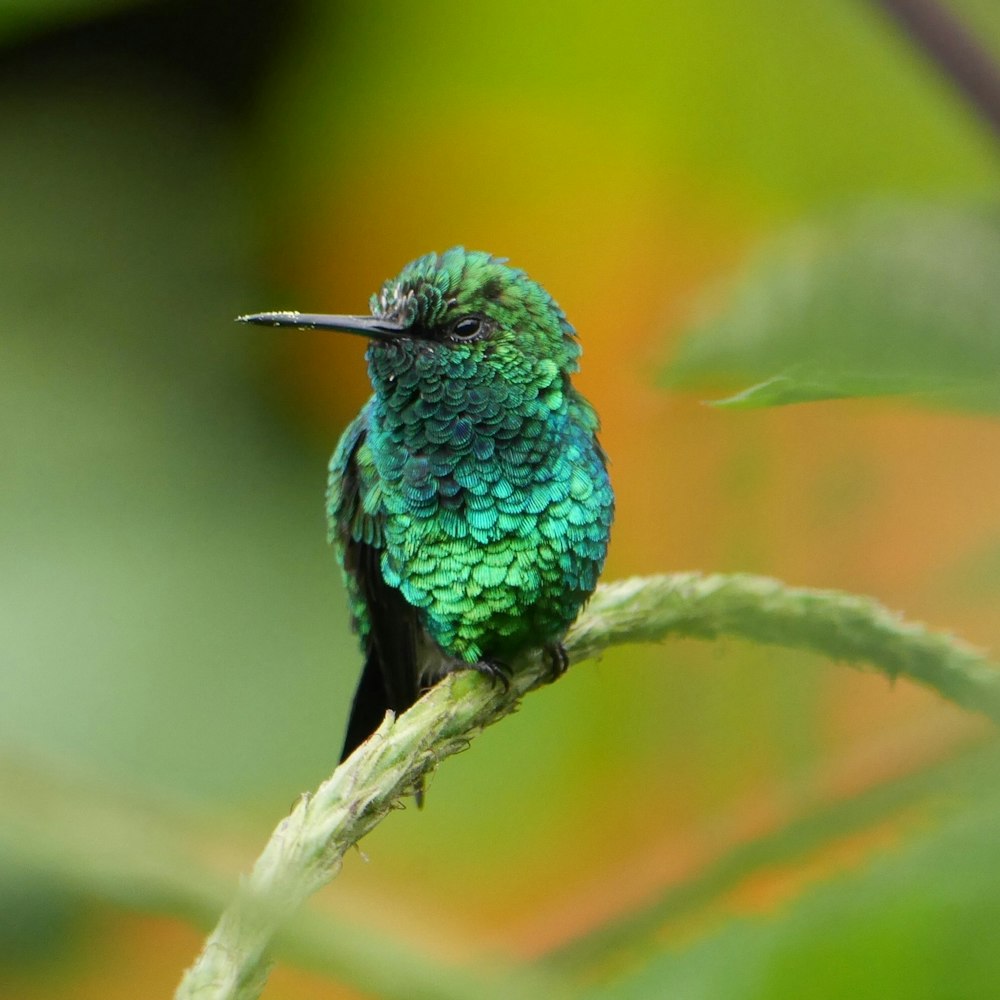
x=469, y=501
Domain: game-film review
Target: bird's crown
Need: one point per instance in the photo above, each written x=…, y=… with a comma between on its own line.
x=465, y=296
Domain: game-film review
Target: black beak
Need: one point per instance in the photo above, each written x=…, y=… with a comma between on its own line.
x=363, y=326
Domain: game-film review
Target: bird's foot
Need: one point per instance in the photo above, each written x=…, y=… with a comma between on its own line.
x=497, y=672
x=558, y=660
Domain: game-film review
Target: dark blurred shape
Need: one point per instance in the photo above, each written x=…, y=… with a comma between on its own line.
x=224, y=51
x=36, y=917
x=955, y=49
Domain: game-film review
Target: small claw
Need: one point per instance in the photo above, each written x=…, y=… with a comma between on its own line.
x=497, y=672
x=558, y=660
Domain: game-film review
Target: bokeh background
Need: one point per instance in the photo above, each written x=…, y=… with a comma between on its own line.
x=688, y=820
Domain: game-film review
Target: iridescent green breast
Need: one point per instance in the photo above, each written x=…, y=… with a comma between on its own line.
x=494, y=528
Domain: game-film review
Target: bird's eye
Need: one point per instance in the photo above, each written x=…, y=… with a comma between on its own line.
x=467, y=327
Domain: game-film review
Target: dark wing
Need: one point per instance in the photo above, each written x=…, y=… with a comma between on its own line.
x=387, y=624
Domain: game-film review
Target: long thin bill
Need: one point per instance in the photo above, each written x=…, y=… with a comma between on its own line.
x=362, y=326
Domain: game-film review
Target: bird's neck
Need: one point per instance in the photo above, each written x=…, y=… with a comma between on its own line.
x=482, y=419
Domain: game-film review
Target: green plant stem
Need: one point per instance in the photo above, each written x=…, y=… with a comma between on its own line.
x=843, y=627
x=307, y=848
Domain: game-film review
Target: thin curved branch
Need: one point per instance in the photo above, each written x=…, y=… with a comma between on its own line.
x=307, y=848
x=844, y=627
x=960, y=56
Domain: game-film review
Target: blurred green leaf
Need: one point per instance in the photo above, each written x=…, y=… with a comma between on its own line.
x=916, y=922
x=883, y=300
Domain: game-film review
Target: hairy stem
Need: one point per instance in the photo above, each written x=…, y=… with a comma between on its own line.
x=307, y=848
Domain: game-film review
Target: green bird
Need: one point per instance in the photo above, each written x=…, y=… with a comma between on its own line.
x=469, y=500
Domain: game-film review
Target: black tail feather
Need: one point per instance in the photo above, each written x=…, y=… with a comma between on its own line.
x=368, y=709
x=390, y=676
x=367, y=712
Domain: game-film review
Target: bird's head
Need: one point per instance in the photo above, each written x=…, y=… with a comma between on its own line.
x=461, y=314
